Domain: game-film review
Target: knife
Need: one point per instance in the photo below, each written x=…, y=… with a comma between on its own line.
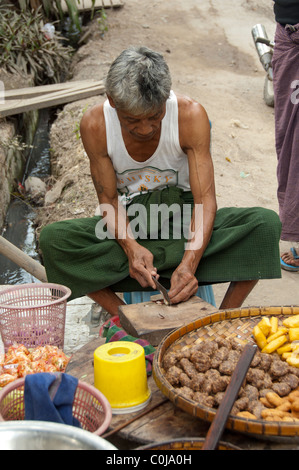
x=162, y=290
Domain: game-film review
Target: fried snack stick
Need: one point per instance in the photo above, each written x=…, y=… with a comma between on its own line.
x=259, y=337
x=280, y=332
x=295, y=405
x=291, y=322
x=290, y=419
x=294, y=395
x=274, y=414
x=274, y=399
x=275, y=344
x=286, y=406
x=286, y=348
x=293, y=360
x=266, y=403
x=274, y=325
x=293, y=334
x=246, y=414
x=265, y=326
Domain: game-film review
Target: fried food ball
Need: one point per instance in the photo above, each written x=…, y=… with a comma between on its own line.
x=256, y=377
x=173, y=375
x=266, y=361
x=188, y=367
x=278, y=368
x=185, y=380
x=196, y=383
x=256, y=407
x=224, y=343
x=250, y=392
x=220, y=355
x=281, y=388
x=264, y=391
x=256, y=360
x=201, y=361
x=290, y=379
x=171, y=358
x=227, y=367
x=267, y=381
x=204, y=399
x=217, y=382
x=240, y=405
x=218, y=398
x=186, y=392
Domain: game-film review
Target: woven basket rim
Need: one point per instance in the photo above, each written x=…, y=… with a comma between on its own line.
x=186, y=440
x=246, y=426
x=18, y=383
x=35, y=286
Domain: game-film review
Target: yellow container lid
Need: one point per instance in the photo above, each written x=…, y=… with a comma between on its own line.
x=120, y=374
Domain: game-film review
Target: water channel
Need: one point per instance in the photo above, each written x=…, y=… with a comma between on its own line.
x=19, y=226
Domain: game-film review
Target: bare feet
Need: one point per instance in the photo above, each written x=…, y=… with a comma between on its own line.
x=291, y=258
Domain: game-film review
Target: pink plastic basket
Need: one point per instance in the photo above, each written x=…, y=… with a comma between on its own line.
x=33, y=315
x=90, y=406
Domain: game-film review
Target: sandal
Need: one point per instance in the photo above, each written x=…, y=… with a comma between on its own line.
x=290, y=267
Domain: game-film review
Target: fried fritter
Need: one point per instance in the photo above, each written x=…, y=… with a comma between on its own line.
x=281, y=388
x=220, y=355
x=201, y=361
x=173, y=375
x=278, y=368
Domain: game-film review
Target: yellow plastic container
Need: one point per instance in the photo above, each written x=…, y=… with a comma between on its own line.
x=120, y=374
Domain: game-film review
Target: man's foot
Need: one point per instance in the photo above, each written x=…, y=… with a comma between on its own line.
x=290, y=260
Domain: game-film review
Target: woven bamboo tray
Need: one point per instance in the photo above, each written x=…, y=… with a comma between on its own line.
x=186, y=444
x=225, y=324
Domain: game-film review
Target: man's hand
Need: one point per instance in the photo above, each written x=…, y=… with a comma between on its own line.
x=141, y=266
x=183, y=285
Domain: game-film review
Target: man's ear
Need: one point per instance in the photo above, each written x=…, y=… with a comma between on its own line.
x=111, y=102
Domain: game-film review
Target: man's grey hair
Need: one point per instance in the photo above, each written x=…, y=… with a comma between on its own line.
x=139, y=81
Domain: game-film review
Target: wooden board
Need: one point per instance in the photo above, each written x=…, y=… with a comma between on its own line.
x=84, y=5
x=51, y=98
x=34, y=91
x=152, y=321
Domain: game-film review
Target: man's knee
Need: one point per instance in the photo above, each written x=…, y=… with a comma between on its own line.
x=271, y=220
x=49, y=235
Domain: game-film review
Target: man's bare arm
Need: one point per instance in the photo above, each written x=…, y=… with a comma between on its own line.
x=195, y=141
x=93, y=136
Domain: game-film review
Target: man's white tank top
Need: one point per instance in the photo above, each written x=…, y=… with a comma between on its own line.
x=168, y=166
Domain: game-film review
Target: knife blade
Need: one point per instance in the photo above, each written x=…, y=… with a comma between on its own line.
x=162, y=290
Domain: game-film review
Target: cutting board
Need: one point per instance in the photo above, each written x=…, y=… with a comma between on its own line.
x=152, y=321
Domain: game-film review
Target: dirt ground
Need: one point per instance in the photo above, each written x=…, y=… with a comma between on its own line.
x=211, y=55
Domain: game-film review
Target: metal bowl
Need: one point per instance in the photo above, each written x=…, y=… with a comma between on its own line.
x=41, y=435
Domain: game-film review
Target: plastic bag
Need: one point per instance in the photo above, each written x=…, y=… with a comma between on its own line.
x=49, y=31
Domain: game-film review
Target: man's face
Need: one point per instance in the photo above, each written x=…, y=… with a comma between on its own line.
x=142, y=128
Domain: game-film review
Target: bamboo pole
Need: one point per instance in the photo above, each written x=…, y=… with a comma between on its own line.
x=17, y=256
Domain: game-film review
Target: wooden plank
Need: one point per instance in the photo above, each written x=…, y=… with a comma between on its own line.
x=34, y=91
x=85, y=5
x=13, y=107
x=152, y=321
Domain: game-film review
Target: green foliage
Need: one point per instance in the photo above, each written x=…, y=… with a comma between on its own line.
x=53, y=10
x=25, y=49
x=102, y=20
